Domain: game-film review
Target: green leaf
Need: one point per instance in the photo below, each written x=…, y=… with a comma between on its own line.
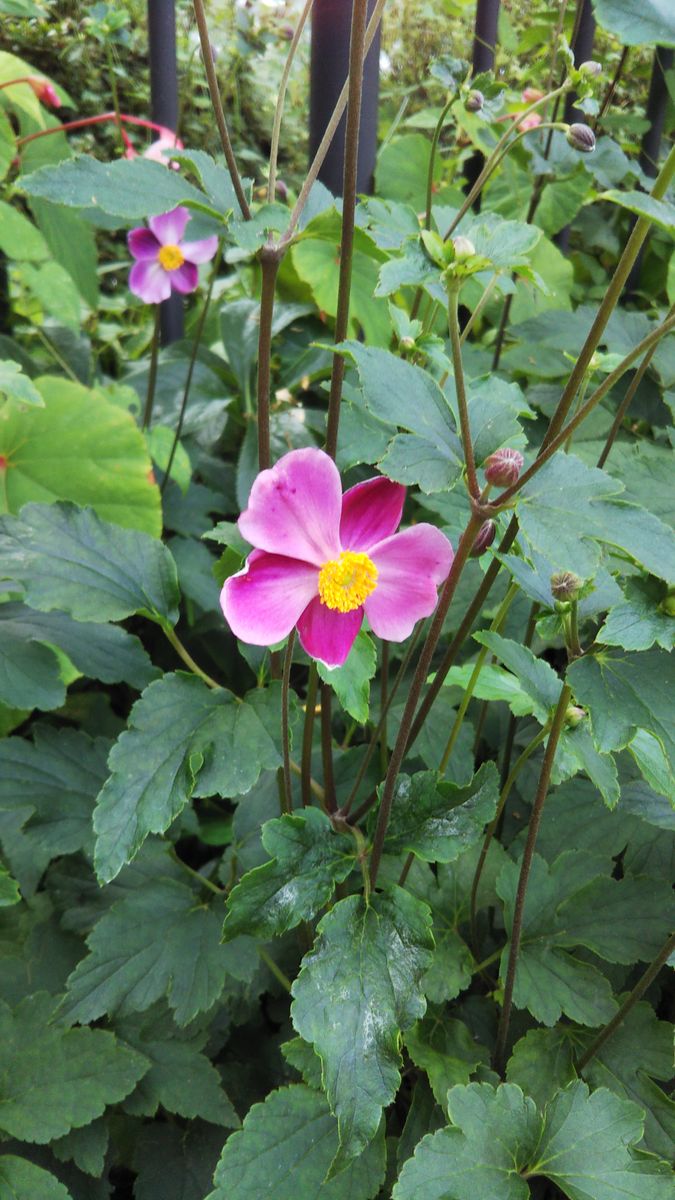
x=643, y=205
x=14, y=385
x=182, y=1080
x=309, y=858
x=366, y=965
x=285, y=1149
x=351, y=682
x=446, y=1050
x=402, y=169
x=493, y=683
x=622, y=921
x=175, y=1166
x=438, y=821
x=83, y=448
x=55, y=292
x=68, y=558
x=315, y=257
x=542, y=1063
x=640, y=620
x=155, y=941
x=87, y=1069
x=22, y=1180
x=536, y=678
x=9, y=889
x=72, y=243
x=86, y=1147
x=19, y=239
x=625, y=692
x=507, y=244
x=388, y=384
x=184, y=739
x=635, y=22
x=302, y=1058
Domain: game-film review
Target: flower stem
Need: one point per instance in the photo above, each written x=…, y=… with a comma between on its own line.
x=218, y=112
x=631, y=1000
x=281, y=97
x=269, y=263
x=487, y=294
x=187, y=658
x=327, y=746
x=574, y=647
x=287, y=798
x=152, y=373
x=307, y=736
x=207, y=883
x=528, y=854
x=464, y=425
x=355, y=90
x=432, y=161
x=274, y=969
x=384, y=688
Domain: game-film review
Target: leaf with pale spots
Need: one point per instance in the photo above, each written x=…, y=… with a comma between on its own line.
x=437, y=820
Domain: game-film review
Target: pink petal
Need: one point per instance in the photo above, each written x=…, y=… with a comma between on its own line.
x=142, y=243
x=327, y=634
x=410, y=567
x=200, y=251
x=371, y=511
x=184, y=279
x=170, y=227
x=294, y=508
x=263, y=602
x=150, y=281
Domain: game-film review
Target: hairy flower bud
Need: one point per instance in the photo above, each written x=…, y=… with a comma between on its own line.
x=503, y=467
x=565, y=585
x=464, y=248
x=44, y=91
x=474, y=101
x=581, y=137
x=484, y=538
x=591, y=68
x=574, y=715
x=281, y=190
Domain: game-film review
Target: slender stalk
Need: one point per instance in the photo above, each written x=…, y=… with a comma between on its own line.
x=51, y=348
x=327, y=746
x=274, y=969
x=432, y=161
x=462, y=404
x=516, y=931
x=627, y=400
x=406, y=869
x=307, y=736
x=630, y=1001
x=83, y=122
x=492, y=827
x=421, y=671
x=196, y=341
x=113, y=89
x=218, y=112
x=279, y=110
x=611, y=89
x=487, y=294
x=287, y=805
x=315, y=787
x=496, y=625
x=187, y=658
x=269, y=263
x=202, y=879
x=513, y=720
x=574, y=647
x=384, y=687
x=355, y=91
x=152, y=373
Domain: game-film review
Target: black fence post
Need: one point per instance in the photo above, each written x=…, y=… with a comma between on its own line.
x=482, y=59
x=583, y=37
x=329, y=66
x=164, y=110
x=650, y=149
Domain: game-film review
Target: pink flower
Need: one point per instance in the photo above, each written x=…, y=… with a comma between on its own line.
x=322, y=560
x=530, y=122
x=158, y=150
x=165, y=261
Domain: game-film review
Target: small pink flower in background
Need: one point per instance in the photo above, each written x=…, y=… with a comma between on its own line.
x=323, y=560
x=158, y=151
x=530, y=94
x=44, y=91
x=165, y=262
x=530, y=122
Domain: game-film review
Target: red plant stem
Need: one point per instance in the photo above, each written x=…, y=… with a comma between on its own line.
x=83, y=122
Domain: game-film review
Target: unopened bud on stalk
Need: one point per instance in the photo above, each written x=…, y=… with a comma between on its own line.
x=574, y=716
x=464, y=248
x=44, y=91
x=281, y=190
x=474, y=101
x=581, y=137
x=503, y=467
x=484, y=538
x=407, y=344
x=565, y=585
x=591, y=68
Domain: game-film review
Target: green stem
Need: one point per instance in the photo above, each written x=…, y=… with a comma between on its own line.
x=152, y=373
x=487, y=294
x=631, y=999
x=187, y=658
x=287, y=805
x=216, y=103
x=557, y=724
x=574, y=648
x=384, y=687
x=487, y=962
x=269, y=263
x=355, y=91
x=281, y=97
x=307, y=736
x=115, y=95
x=314, y=787
x=207, y=883
x=432, y=161
x=327, y=747
x=274, y=969
x=462, y=405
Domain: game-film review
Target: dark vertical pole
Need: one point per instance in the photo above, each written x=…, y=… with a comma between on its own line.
x=582, y=48
x=329, y=67
x=650, y=149
x=482, y=59
x=164, y=109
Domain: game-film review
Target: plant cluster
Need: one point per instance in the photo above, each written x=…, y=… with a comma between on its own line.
x=336, y=783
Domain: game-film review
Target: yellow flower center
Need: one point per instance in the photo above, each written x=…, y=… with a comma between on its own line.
x=345, y=582
x=170, y=257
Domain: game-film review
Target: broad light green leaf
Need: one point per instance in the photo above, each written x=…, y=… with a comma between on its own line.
x=182, y=1080
x=70, y=559
x=14, y=385
x=625, y=692
x=400, y=393
x=493, y=683
x=316, y=259
x=659, y=211
x=52, y=287
x=534, y=675
x=72, y=243
x=542, y=1063
x=184, y=739
x=351, y=682
x=482, y=1154
x=19, y=239
x=636, y=23
x=86, y=1147
x=366, y=964
x=83, y=448
x=309, y=858
x=446, y=1050
x=156, y=941
x=285, y=1149
x=171, y=1167
x=640, y=620
x=438, y=821
x=402, y=169
x=22, y=1180
x=57, y=1079
x=9, y=889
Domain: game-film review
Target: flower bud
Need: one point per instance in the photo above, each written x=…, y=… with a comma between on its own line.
x=503, y=467
x=591, y=68
x=581, y=137
x=574, y=715
x=484, y=538
x=44, y=91
x=565, y=585
x=474, y=101
x=407, y=343
x=530, y=94
x=281, y=190
x=464, y=248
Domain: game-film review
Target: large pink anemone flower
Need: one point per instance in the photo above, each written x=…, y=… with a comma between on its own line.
x=323, y=560
x=166, y=263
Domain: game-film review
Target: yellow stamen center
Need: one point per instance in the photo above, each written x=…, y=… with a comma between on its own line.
x=345, y=582
x=170, y=257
